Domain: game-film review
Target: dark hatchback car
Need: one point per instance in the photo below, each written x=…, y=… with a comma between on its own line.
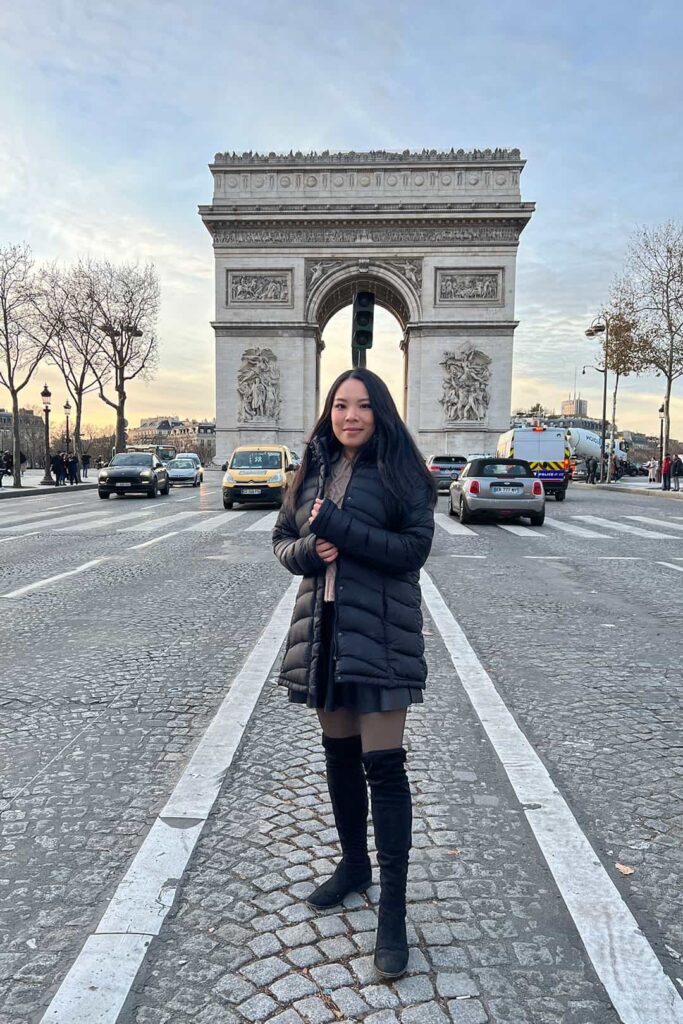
x=445, y=469
x=133, y=473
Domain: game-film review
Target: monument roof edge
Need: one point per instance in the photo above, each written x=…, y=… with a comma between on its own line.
x=374, y=157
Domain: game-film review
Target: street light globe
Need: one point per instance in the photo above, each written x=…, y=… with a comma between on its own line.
x=46, y=395
x=67, y=407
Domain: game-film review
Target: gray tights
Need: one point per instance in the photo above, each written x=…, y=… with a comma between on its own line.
x=379, y=730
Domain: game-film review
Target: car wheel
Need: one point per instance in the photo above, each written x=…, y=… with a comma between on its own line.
x=537, y=518
x=196, y=482
x=120, y=495
x=227, y=503
x=464, y=513
x=103, y=494
x=153, y=491
x=451, y=510
x=560, y=495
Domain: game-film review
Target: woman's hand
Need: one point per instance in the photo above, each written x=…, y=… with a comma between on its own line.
x=328, y=552
x=317, y=505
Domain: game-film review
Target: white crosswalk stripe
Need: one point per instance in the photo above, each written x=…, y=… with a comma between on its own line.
x=27, y=515
x=624, y=528
x=265, y=524
x=577, y=531
x=175, y=519
x=656, y=522
x=109, y=517
x=453, y=527
x=218, y=522
x=54, y=521
x=521, y=531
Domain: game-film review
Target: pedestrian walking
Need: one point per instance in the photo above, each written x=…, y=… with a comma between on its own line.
x=3, y=466
x=58, y=469
x=72, y=468
x=358, y=524
x=666, y=473
x=592, y=466
x=676, y=472
x=652, y=467
x=85, y=464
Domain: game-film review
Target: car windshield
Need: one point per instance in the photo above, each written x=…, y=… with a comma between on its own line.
x=181, y=464
x=448, y=460
x=256, y=460
x=131, y=459
x=507, y=469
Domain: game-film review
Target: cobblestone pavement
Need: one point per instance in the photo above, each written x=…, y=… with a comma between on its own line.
x=112, y=676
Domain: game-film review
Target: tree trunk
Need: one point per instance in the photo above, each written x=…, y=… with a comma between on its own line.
x=16, y=441
x=611, y=460
x=667, y=405
x=121, y=425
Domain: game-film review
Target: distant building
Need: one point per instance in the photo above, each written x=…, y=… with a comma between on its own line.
x=575, y=407
x=187, y=435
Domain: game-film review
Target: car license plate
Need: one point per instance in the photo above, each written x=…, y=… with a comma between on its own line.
x=506, y=490
x=251, y=490
x=119, y=484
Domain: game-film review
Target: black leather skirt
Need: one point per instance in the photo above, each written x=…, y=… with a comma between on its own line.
x=362, y=698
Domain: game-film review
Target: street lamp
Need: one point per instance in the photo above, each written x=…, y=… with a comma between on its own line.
x=599, y=325
x=662, y=417
x=67, y=410
x=46, y=395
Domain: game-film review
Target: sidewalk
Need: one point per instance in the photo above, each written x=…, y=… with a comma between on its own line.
x=632, y=485
x=30, y=485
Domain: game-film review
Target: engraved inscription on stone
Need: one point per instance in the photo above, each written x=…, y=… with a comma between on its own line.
x=377, y=234
x=272, y=288
x=258, y=385
x=468, y=286
x=465, y=385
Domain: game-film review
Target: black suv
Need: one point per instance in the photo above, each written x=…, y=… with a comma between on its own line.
x=445, y=468
x=131, y=472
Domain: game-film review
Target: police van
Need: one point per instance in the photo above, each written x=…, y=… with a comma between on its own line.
x=546, y=449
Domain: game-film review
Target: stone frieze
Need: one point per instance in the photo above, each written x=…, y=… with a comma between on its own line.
x=288, y=236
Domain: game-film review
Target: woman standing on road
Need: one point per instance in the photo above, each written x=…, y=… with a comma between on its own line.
x=357, y=524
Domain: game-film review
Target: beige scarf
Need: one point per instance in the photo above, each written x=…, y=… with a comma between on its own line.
x=335, y=489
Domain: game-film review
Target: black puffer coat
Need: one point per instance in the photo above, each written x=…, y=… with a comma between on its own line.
x=378, y=621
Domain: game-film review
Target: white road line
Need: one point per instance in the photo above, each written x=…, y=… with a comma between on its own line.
x=176, y=517
x=208, y=525
x=17, y=536
x=521, y=531
x=265, y=524
x=577, y=531
x=623, y=959
x=468, y=556
x=547, y=558
x=54, y=521
x=18, y=517
x=657, y=522
x=623, y=528
x=619, y=558
x=670, y=565
x=456, y=529
x=155, y=540
x=53, y=579
x=98, y=983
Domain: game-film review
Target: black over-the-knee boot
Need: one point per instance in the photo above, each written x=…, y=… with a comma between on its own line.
x=392, y=818
x=349, y=796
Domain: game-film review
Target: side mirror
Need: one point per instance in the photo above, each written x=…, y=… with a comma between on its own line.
x=290, y=468
x=224, y=467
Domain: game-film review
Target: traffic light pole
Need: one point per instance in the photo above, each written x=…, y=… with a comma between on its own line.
x=358, y=357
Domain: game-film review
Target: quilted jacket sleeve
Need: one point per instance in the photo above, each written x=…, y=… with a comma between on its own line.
x=391, y=551
x=296, y=553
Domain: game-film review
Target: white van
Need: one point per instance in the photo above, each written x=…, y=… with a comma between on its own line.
x=546, y=449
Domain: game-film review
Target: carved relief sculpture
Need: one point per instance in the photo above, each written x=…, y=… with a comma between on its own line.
x=410, y=269
x=467, y=286
x=271, y=288
x=465, y=385
x=258, y=385
x=317, y=269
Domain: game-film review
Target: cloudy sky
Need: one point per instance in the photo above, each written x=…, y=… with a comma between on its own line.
x=111, y=112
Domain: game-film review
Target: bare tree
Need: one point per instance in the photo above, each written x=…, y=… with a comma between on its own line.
x=73, y=315
x=126, y=298
x=23, y=338
x=623, y=346
x=98, y=441
x=655, y=281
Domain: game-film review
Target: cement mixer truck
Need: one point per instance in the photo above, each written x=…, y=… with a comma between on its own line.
x=586, y=444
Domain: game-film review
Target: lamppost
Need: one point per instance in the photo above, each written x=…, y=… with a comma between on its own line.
x=46, y=395
x=67, y=410
x=600, y=325
x=662, y=417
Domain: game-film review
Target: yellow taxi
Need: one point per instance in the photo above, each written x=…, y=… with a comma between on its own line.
x=258, y=473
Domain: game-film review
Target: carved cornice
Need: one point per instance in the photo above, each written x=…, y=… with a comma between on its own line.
x=317, y=270
x=374, y=156
x=289, y=235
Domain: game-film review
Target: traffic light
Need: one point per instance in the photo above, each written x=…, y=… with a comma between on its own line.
x=363, y=314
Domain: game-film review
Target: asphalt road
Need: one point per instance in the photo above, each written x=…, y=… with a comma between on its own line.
x=124, y=625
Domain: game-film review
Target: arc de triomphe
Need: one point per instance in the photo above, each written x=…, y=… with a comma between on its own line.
x=433, y=235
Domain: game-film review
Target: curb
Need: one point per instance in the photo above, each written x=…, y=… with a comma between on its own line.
x=27, y=492
x=647, y=491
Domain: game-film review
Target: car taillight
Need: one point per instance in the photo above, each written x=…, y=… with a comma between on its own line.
x=474, y=487
x=435, y=469
x=537, y=488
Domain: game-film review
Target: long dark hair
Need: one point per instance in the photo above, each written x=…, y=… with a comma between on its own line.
x=391, y=448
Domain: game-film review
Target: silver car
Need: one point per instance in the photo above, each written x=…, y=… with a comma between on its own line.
x=500, y=487
x=197, y=461
x=183, y=471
